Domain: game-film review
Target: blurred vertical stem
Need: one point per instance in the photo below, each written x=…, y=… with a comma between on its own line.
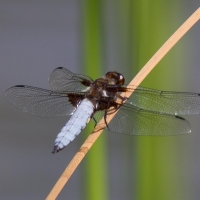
x=95, y=175
x=152, y=21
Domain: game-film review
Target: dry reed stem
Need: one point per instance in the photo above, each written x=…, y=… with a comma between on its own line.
x=136, y=81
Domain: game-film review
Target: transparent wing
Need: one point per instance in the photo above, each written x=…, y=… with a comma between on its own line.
x=175, y=103
x=134, y=121
x=62, y=79
x=40, y=102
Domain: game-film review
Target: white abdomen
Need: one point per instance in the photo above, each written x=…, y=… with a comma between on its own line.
x=75, y=125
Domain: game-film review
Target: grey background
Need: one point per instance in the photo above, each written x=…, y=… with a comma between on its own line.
x=35, y=38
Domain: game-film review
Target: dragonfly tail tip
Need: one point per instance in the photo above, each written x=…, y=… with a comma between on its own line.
x=56, y=149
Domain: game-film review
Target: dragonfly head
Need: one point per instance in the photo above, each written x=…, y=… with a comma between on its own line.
x=115, y=78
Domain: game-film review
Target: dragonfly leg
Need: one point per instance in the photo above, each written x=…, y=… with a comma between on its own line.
x=95, y=122
x=105, y=114
x=92, y=117
x=122, y=98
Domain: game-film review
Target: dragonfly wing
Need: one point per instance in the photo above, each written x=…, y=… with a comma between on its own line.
x=174, y=103
x=135, y=121
x=62, y=79
x=39, y=102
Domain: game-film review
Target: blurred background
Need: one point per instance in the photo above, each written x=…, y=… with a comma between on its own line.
x=93, y=37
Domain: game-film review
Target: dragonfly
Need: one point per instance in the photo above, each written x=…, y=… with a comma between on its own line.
x=146, y=112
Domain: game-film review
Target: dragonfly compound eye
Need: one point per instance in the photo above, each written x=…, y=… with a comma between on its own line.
x=115, y=77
